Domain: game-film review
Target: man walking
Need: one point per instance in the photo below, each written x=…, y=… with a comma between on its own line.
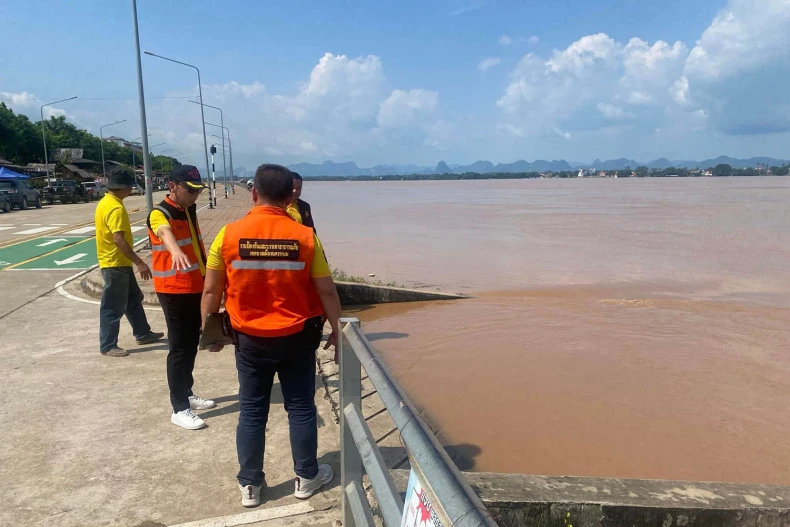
x=179, y=265
x=121, y=295
x=298, y=209
x=278, y=288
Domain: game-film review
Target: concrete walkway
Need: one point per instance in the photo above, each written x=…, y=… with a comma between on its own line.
x=86, y=440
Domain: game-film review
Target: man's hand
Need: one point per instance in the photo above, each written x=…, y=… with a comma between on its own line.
x=144, y=270
x=180, y=260
x=332, y=341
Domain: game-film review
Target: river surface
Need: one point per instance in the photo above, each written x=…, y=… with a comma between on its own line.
x=618, y=327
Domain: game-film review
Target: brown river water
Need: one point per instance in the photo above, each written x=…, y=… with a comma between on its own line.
x=618, y=327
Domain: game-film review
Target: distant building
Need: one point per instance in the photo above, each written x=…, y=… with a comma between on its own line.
x=66, y=154
x=120, y=141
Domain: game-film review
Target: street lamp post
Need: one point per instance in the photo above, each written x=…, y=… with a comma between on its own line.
x=230, y=152
x=101, y=138
x=149, y=197
x=222, y=123
x=223, y=161
x=200, y=92
x=43, y=133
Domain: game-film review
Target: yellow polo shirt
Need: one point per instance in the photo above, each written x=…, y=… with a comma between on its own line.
x=293, y=212
x=111, y=217
x=158, y=219
x=319, y=268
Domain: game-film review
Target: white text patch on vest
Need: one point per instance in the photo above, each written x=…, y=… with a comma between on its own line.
x=257, y=249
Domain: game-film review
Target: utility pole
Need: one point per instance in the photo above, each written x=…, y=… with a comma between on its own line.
x=149, y=196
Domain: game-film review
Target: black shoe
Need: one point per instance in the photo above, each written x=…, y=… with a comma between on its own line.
x=151, y=337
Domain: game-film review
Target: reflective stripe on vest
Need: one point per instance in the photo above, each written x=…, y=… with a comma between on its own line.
x=183, y=242
x=167, y=279
x=269, y=296
x=173, y=272
x=269, y=265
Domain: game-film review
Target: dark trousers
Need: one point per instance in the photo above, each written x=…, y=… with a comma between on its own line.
x=121, y=296
x=182, y=315
x=292, y=358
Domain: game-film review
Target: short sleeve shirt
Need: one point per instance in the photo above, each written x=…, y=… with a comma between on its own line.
x=111, y=217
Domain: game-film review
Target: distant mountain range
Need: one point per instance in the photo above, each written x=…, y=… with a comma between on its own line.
x=330, y=168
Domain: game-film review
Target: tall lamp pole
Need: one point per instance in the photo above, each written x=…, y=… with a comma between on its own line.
x=200, y=92
x=43, y=133
x=101, y=138
x=222, y=123
x=223, y=161
x=230, y=152
x=134, y=165
x=149, y=197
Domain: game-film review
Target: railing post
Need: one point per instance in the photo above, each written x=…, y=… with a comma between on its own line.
x=350, y=392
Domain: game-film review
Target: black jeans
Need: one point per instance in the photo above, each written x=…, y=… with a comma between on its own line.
x=292, y=358
x=121, y=296
x=182, y=314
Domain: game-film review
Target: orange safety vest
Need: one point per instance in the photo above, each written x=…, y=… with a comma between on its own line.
x=269, y=291
x=167, y=279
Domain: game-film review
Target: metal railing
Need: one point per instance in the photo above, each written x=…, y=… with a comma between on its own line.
x=453, y=500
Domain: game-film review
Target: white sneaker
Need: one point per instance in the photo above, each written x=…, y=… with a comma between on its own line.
x=250, y=495
x=187, y=419
x=196, y=403
x=305, y=488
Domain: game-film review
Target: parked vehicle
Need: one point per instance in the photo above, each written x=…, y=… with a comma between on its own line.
x=96, y=190
x=65, y=191
x=20, y=193
x=137, y=190
x=5, y=204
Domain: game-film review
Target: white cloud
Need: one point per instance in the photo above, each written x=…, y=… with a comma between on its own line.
x=534, y=39
x=613, y=112
x=739, y=69
x=403, y=108
x=488, y=63
x=19, y=100
x=466, y=6
x=505, y=40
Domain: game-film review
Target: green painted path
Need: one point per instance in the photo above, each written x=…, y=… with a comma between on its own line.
x=50, y=253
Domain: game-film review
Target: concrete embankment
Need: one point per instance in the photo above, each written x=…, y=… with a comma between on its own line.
x=351, y=293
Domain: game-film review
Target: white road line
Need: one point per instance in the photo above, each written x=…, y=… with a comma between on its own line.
x=138, y=228
x=83, y=230
x=60, y=224
x=5, y=228
x=36, y=230
x=246, y=518
x=31, y=225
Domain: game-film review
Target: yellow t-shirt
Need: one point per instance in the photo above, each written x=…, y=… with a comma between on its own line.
x=111, y=217
x=319, y=268
x=293, y=212
x=158, y=219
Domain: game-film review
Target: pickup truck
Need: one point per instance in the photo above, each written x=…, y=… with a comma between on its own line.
x=65, y=191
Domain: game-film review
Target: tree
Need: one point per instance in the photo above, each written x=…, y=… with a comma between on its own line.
x=642, y=171
x=722, y=169
x=780, y=171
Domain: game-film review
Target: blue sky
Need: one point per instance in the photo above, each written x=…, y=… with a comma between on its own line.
x=418, y=82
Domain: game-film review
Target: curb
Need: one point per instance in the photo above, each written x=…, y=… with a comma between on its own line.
x=350, y=293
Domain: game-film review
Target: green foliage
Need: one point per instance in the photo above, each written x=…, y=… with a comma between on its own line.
x=21, y=142
x=722, y=169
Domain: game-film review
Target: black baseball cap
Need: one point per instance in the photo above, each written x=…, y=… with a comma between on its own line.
x=187, y=174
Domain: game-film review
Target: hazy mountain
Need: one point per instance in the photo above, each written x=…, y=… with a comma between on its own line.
x=351, y=169
x=442, y=168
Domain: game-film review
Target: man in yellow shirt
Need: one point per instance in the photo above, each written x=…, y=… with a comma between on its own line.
x=121, y=295
x=298, y=209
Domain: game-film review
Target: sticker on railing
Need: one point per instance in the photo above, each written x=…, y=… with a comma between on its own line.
x=418, y=510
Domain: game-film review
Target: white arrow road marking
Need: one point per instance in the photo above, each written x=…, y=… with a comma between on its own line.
x=50, y=242
x=83, y=230
x=71, y=259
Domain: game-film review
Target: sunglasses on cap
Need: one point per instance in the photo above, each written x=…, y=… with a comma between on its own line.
x=190, y=189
